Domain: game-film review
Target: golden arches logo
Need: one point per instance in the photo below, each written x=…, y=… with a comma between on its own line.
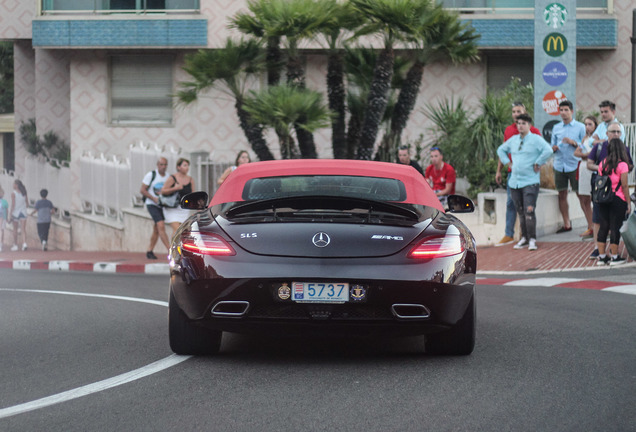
x=555, y=44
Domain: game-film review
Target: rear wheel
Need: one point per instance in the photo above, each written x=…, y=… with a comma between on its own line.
x=188, y=339
x=459, y=340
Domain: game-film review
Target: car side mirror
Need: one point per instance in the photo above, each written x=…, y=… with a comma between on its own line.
x=195, y=201
x=460, y=204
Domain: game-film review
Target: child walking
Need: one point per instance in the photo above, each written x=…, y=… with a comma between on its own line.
x=4, y=213
x=44, y=209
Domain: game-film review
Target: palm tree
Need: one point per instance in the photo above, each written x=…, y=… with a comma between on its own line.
x=291, y=21
x=359, y=66
x=440, y=34
x=343, y=18
x=393, y=20
x=228, y=70
x=285, y=107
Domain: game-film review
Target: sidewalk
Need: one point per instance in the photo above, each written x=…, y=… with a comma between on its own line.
x=556, y=253
x=105, y=262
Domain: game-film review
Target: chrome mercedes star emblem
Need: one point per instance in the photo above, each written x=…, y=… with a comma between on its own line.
x=321, y=239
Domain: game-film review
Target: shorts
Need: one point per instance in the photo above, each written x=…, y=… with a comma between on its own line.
x=561, y=180
x=19, y=216
x=156, y=212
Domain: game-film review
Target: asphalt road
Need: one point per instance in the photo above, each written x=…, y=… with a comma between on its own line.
x=547, y=359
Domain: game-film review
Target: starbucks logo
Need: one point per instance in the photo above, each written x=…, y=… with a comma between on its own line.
x=555, y=15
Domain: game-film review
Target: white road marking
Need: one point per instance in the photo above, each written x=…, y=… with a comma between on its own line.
x=115, y=381
x=542, y=281
x=112, y=297
x=623, y=289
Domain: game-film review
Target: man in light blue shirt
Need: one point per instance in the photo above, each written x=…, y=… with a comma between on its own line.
x=566, y=138
x=608, y=115
x=529, y=152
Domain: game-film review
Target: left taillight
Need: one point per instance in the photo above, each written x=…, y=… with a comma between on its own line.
x=206, y=244
x=436, y=247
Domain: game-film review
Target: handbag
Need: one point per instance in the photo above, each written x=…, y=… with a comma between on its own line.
x=170, y=200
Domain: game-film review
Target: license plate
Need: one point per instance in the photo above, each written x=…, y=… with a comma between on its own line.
x=320, y=292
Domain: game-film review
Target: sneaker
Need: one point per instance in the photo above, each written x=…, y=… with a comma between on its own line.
x=24, y=246
x=14, y=248
x=603, y=260
x=594, y=254
x=522, y=243
x=617, y=261
x=43, y=245
x=505, y=240
x=532, y=245
x=587, y=234
x=151, y=255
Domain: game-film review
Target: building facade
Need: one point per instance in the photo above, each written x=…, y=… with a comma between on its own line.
x=73, y=69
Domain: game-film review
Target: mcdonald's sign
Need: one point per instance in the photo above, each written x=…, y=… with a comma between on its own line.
x=555, y=44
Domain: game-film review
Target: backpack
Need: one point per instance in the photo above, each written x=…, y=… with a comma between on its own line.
x=602, y=189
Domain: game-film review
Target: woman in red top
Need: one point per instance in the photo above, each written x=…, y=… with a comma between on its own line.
x=613, y=213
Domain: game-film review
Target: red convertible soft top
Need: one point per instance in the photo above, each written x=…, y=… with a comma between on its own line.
x=417, y=189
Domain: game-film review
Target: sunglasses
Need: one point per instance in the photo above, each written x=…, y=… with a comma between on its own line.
x=520, y=144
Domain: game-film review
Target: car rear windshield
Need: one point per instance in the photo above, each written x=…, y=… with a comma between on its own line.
x=372, y=188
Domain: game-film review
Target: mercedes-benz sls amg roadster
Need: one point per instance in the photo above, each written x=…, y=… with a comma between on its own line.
x=327, y=247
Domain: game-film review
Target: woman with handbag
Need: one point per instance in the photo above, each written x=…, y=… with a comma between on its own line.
x=178, y=185
x=614, y=212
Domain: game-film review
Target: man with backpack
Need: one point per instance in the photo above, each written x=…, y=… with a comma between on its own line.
x=151, y=183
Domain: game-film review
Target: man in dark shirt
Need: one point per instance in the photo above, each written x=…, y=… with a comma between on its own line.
x=405, y=158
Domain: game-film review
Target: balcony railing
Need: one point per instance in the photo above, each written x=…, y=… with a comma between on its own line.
x=521, y=7
x=54, y=7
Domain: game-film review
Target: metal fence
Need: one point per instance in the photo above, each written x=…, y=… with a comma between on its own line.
x=110, y=184
x=40, y=173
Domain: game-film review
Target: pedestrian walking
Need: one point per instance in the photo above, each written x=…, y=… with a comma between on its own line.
x=181, y=184
x=44, y=209
x=150, y=186
x=18, y=213
x=4, y=214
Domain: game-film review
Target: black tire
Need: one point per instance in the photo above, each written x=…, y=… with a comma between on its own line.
x=459, y=340
x=188, y=339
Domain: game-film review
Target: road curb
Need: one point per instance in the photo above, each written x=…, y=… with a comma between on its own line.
x=557, y=282
x=83, y=266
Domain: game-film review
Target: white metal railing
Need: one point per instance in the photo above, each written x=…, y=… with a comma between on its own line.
x=140, y=7
x=40, y=174
x=110, y=184
x=520, y=6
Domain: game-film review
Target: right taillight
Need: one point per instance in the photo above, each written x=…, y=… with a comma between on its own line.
x=436, y=247
x=206, y=244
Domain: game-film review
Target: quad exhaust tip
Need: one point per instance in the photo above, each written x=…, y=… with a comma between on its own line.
x=410, y=311
x=230, y=308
